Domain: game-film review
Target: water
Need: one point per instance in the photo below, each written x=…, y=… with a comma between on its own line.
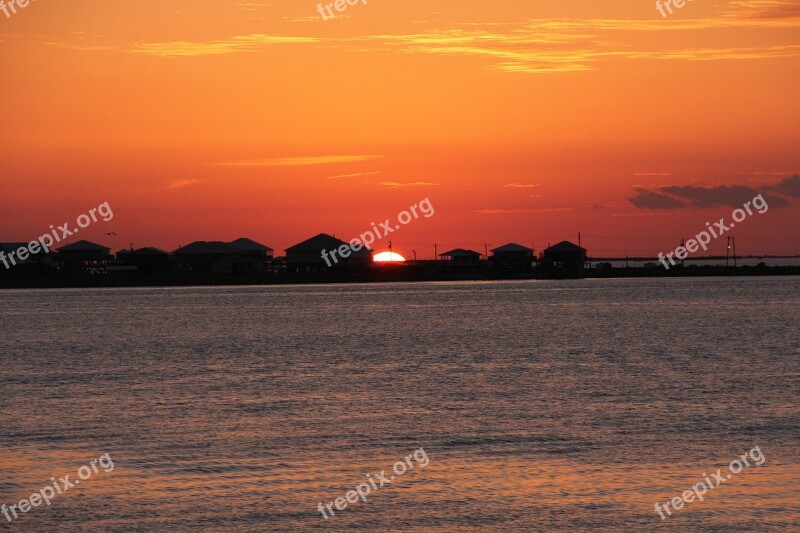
x=540, y=405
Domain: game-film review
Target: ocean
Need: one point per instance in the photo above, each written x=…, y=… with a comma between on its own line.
x=537, y=405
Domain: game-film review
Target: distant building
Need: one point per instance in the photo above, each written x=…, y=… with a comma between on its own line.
x=461, y=257
x=307, y=255
x=252, y=248
x=216, y=257
x=148, y=260
x=564, y=259
x=513, y=258
x=84, y=257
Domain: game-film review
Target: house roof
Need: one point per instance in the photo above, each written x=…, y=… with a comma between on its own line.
x=249, y=245
x=565, y=246
x=207, y=248
x=512, y=247
x=323, y=241
x=148, y=250
x=84, y=246
x=459, y=252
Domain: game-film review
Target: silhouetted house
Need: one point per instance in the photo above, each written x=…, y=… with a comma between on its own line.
x=307, y=256
x=564, y=259
x=512, y=257
x=149, y=260
x=461, y=257
x=84, y=257
x=216, y=257
x=253, y=249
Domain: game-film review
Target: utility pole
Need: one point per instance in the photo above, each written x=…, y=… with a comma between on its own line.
x=728, y=251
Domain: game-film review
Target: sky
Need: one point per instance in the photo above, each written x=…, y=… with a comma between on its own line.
x=523, y=121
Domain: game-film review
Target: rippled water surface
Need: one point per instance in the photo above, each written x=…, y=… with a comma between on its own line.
x=539, y=405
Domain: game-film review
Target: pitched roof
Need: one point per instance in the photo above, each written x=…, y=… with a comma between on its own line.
x=565, y=246
x=459, y=252
x=323, y=241
x=148, y=250
x=84, y=246
x=249, y=245
x=207, y=248
x=512, y=247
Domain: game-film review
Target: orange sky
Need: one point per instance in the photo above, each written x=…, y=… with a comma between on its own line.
x=521, y=120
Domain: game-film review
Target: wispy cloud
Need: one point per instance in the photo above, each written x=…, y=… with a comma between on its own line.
x=177, y=184
x=238, y=43
x=299, y=161
x=522, y=185
x=317, y=18
x=763, y=9
x=539, y=45
x=356, y=175
x=397, y=184
x=771, y=173
x=510, y=211
x=652, y=174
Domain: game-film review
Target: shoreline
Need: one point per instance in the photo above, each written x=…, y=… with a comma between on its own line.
x=389, y=274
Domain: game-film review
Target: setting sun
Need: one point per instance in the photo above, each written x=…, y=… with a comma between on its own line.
x=388, y=257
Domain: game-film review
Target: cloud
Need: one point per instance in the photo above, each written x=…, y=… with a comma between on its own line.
x=522, y=185
x=763, y=9
x=699, y=197
x=702, y=197
x=771, y=173
x=646, y=199
x=357, y=174
x=397, y=184
x=299, y=161
x=788, y=187
x=238, y=43
x=538, y=45
x=177, y=184
x=652, y=174
x=509, y=211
